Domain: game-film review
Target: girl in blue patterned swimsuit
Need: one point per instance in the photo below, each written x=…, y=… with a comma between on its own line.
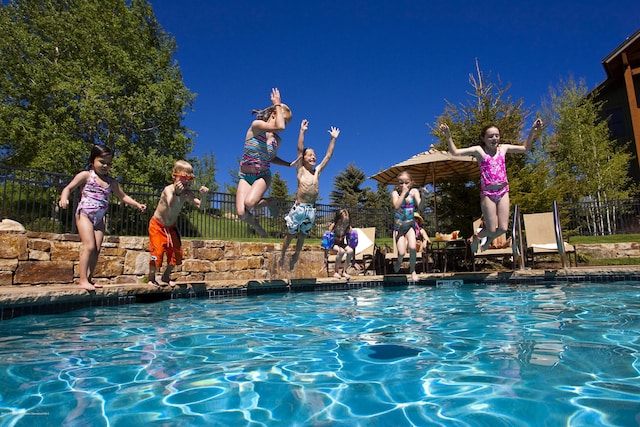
x=97, y=186
x=406, y=200
x=260, y=151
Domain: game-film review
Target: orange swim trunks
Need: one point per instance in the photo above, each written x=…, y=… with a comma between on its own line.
x=164, y=240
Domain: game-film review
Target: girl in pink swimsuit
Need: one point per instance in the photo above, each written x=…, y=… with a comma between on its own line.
x=97, y=187
x=494, y=186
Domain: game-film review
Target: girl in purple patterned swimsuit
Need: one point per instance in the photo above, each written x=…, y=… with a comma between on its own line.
x=494, y=186
x=97, y=187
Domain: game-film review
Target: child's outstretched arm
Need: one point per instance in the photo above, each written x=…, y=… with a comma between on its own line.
x=78, y=180
x=470, y=151
x=196, y=201
x=528, y=144
x=304, y=127
x=533, y=134
x=334, y=132
x=126, y=198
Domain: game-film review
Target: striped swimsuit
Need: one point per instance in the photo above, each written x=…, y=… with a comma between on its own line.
x=258, y=153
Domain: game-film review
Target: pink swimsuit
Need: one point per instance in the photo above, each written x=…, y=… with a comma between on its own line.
x=95, y=199
x=493, y=174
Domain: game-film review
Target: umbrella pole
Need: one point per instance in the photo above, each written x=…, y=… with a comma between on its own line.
x=435, y=198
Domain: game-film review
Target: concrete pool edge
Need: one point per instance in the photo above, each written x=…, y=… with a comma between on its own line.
x=22, y=300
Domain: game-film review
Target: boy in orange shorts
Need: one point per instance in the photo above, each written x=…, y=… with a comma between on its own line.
x=163, y=233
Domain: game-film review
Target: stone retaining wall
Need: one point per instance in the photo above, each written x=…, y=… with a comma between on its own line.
x=28, y=258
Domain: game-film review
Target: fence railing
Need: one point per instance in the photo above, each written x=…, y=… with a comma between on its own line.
x=598, y=218
x=31, y=198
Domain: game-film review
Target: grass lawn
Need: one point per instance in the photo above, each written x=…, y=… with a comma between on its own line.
x=615, y=238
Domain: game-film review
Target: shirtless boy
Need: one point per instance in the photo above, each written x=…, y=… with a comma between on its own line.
x=163, y=233
x=303, y=213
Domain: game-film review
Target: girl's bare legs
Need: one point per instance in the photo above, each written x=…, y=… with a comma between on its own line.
x=338, y=262
x=88, y=253
x=347, y=262
x=401, y=248
x=499, y=220
x=249, y=197
x=410, y=238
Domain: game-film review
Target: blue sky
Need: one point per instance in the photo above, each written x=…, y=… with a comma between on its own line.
x=377, y=70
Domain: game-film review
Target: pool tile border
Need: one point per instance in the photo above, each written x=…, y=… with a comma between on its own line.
x=12, y=306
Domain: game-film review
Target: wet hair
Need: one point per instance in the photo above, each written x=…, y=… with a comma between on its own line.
x=98, y=150
x=267, y=112
x=182, y=166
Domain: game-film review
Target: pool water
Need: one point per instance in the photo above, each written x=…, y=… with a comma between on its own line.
x=498, y=355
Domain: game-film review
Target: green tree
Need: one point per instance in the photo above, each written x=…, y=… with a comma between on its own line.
x=81, y=72
x=490, y=104
x=347, y=191
x=205, y=171
x=587, y=159
x=279, y=188
x=589, y=164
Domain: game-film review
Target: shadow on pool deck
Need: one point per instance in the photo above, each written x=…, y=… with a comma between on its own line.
x=46, y=299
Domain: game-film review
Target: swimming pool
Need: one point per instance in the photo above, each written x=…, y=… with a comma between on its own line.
x=493, y=355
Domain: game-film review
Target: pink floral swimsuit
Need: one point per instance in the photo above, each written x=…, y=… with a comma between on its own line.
x=95, y=199
x=493, y=174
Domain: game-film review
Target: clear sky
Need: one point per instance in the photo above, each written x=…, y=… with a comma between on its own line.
x=378, y=70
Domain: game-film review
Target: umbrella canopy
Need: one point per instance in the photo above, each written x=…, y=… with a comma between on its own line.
x=430, y=167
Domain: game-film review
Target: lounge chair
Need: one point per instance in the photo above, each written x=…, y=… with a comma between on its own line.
x=540, y=233
x=492, y=253
x=366, y=258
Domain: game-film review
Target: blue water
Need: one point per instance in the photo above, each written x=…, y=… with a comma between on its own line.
x=562, y=355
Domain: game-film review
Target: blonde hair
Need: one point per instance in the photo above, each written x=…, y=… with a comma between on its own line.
x=408, y=176
x=182, y=166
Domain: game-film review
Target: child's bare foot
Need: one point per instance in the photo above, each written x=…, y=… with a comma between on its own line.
x=337, y=275
x=414, y=277
x=166, y=281
x=86, y=286
x=346, y=276
x=153, y=283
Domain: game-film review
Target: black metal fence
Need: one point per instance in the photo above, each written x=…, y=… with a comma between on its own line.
x=31, y=198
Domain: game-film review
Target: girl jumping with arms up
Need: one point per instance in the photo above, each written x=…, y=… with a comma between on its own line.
x=494, y=185
x=260, y=150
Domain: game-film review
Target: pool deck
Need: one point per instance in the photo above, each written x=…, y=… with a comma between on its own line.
x=45, y=299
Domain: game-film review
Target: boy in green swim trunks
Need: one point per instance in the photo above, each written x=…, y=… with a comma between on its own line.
x=302, y=215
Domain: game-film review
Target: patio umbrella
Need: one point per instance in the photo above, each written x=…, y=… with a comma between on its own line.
x=431, y=167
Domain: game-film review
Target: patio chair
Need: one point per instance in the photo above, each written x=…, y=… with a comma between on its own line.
x=391, y=256
x=367, y=257
x=492, y=253
x=540, y=234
